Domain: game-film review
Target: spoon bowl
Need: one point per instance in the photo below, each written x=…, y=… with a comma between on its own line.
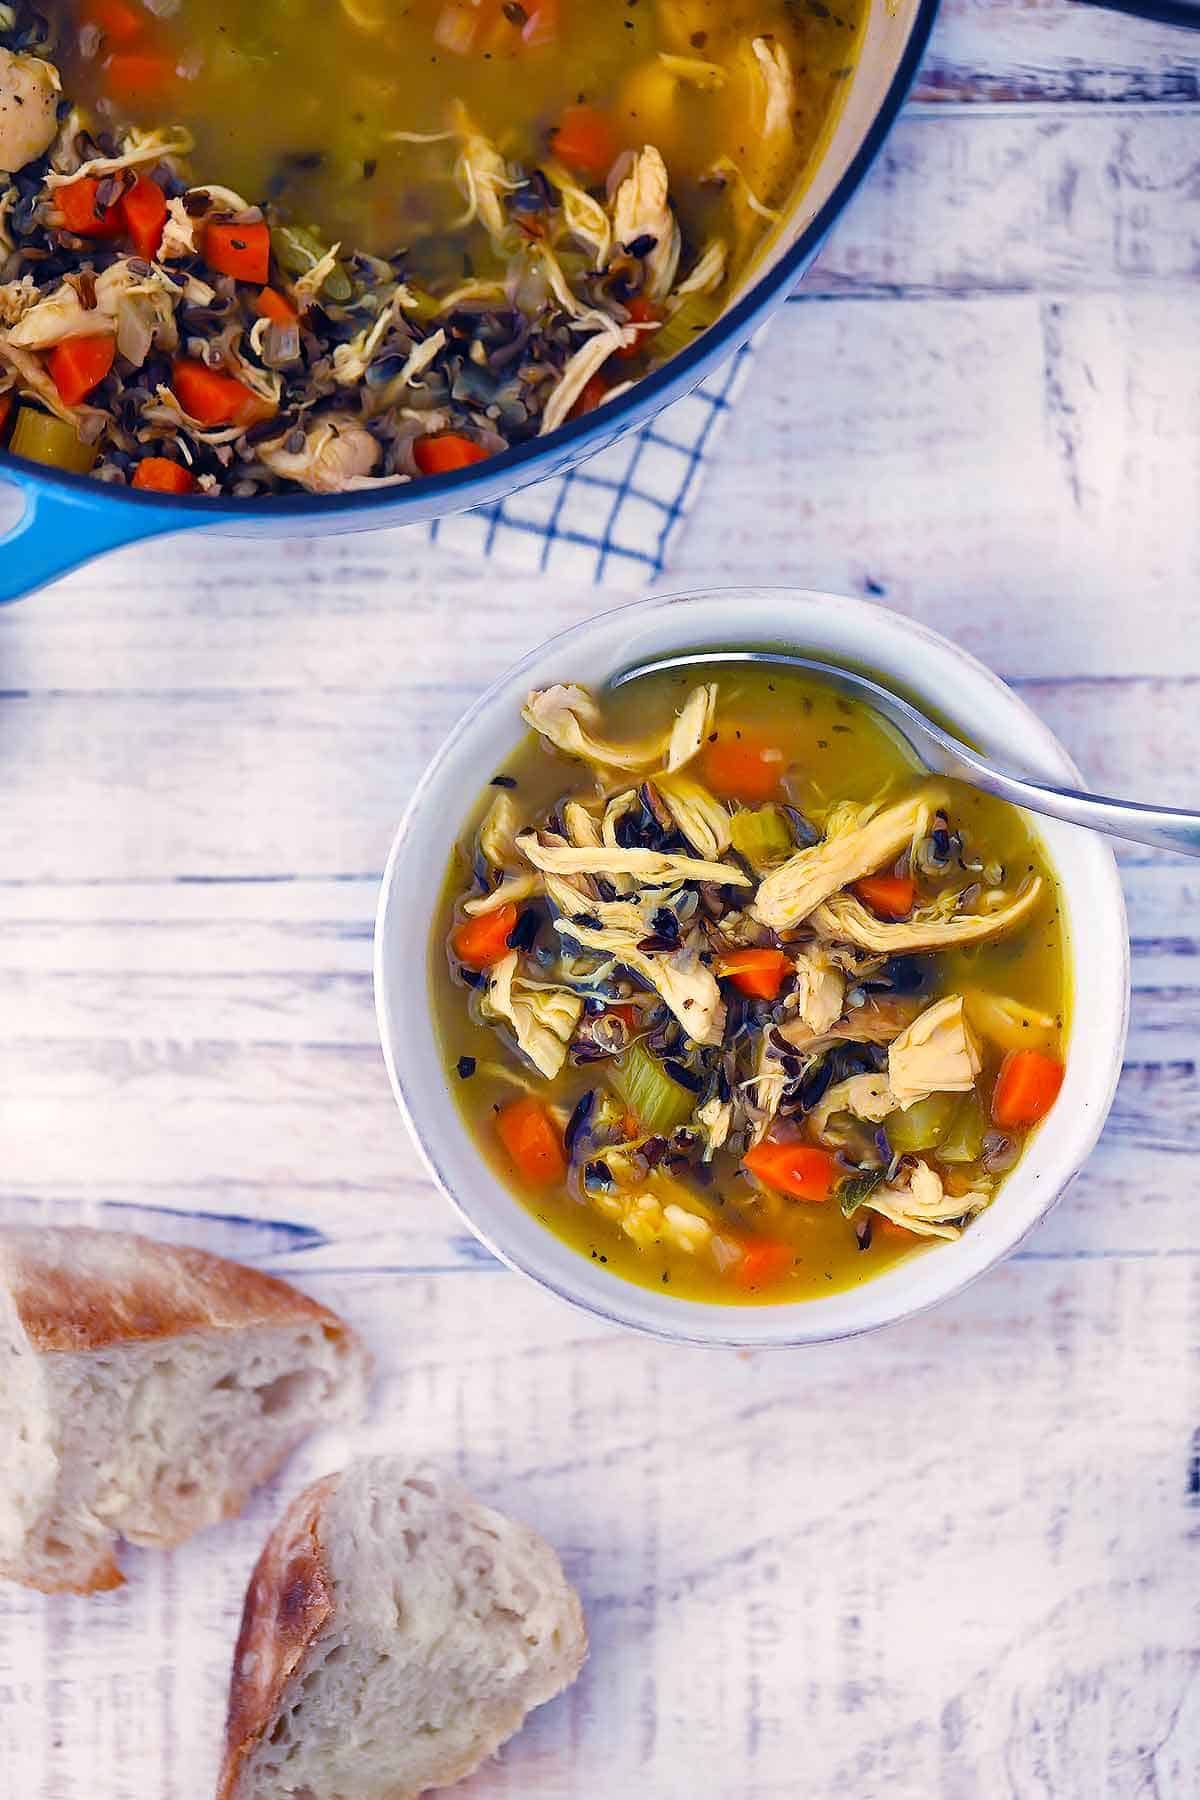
x=1166, y=828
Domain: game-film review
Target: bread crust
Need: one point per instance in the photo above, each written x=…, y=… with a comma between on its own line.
x=77, y=1290
x=288, y=1603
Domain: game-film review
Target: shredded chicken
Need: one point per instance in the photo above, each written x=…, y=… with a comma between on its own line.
x=924, y=1207
x=482, y=175
x=568, y=718
x=351, y=360
x=684, y=982
x=937, y=1054
x=763, y=1093
x=29, y=90
x=642, y=209
x=760, y=103
x=789, y=894
x=876, y=1022
x=498, y=832
x=645, y=1219
x=543, y=1015
x=63, y=314
x=868, y=1097
x=845, y=918
x=339, y=454
x=16, y=299
x=820, y=991
x=701, y=819
x=653, y=868
x=586, y=362
x=179, y=233
x=714, y=1119
x=707, y=275
x=509, y=892
x=692, y=726
x=138, y=148
x=581, y=828
x=1008, y=1023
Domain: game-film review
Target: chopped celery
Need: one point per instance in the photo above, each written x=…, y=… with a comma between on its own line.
x=423, y=305
x=963, y=1143
x=658, y=1103
x=762, y=836
x=923, y=1126
x=44, y=439
x=298, y=250
x=693, y=315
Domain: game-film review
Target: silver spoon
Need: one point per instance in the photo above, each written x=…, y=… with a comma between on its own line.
x=1165, y=827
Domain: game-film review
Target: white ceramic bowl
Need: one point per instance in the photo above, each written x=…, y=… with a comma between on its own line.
x=963, y=691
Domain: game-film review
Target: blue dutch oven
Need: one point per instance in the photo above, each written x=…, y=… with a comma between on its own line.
x=69, y=518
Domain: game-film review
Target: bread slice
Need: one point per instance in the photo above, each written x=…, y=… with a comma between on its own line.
x=395, y=1633
x=145, y=1390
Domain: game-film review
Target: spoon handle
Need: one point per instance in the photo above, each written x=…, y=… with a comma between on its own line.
x=1163, y=827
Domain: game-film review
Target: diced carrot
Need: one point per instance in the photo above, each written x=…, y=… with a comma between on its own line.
x=889, y=896
x=483, y=940
x=78, y=364
x=742, y=767
x=584, y=140
x=641, y=311
x=139, y=75
x=800, y=1170
x=631, y=1125
x=243, y=251
x=885, y=1227
x=763, y=1260
x=532, y=1141
x=81, y=213
x=159, y=475
x=591, y=396
x=759, y=973
x=214, y=398
x=144, y=208
x=273, y=305
x=440, y=455
x=1026, y=1088
x=6, y=406
x=116, y=20
x=541, y=27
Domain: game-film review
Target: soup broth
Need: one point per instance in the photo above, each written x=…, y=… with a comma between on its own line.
x=847, y=1105
x=327, y=244
x=301, y=101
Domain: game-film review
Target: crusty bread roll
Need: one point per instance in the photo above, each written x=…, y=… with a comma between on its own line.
x=395, y=1633
x=145, y=1390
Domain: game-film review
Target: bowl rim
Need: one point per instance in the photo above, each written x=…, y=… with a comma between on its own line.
x=670, y=1318
x=647, y=396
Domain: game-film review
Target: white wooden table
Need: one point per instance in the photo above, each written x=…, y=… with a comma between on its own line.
x=955, y=1559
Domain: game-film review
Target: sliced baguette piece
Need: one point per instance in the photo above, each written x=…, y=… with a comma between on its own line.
x=145, y=1391
x=395, y=1634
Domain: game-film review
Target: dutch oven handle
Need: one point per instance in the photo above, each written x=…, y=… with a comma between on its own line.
x=63, y=526
x=1161, y=12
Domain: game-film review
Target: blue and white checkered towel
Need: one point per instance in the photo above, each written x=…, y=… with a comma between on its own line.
x=614, y=520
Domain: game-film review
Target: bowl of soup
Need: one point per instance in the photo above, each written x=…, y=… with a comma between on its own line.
x=714, y=1012
x=321, y=264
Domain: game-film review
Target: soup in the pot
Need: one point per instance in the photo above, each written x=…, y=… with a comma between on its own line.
x=323, y=244
x=737, y=1000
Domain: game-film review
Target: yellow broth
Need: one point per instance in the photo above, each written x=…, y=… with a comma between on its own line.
x=299, y=101
x=834, y=752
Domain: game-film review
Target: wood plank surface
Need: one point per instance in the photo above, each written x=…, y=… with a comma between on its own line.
x=957, y=1559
